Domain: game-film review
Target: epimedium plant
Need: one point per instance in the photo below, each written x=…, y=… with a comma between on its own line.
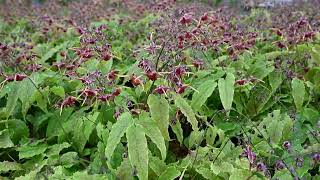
x=183, y=93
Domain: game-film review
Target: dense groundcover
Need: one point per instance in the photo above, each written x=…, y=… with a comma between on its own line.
x=166, y=89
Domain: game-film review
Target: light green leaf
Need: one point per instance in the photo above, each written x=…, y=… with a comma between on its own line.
x=53, y=50
x=5, y=141
x=102, y=132
x=83, y=175
x=187, y=111
x=211, y=135
x=138, y=150
x=117, y=131
x=204, y=92
x=177, y=129
x=315, y=54
x=56, y=149
x=69, y=159
x=7, y=166
x=153, y=132
x=12, y=99
x=58, y=90
x=206, y=172
x=105, y=66
x=30, y=176
x=240, y=174
x=159, y=109
x=298, y=92
x=125, y=170
x=17, y=129
x=29, y=151
x=195, y=138
x=275, y=80
x=26, y=87
x=275, y=123
x=156, y=165
x=170, y=173
x=259, y=97
x=226, y=91
x=83, y=131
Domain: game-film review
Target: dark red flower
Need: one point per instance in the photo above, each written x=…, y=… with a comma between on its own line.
x=241, y=82
x=152, y=75
x=135, y=81
x=161, y=89
x=90, y=92
x=106, y=56
x=181, y=89
x=197, y=63
x=69, y=101
x=204, y=17
x=185, y=19
x=112, y=75
x=106, y=97
x=19, y=77
x=116, y=92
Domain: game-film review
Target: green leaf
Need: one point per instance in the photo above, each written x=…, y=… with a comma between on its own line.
x=53, y=50
x=226, y=91
x=315, y=54
x=105, y=66
x=298, y=92
x=30, y=176
x=125, y=170
x=157, y=166
x=187, y=111
x=206, y=172
x=5, y=141
x=159, y=109
x=58, y=173
x=275, y=80
x=240, y=174
x=58, y=90
x=83, y=175
x=153, y=132
x=170, y=173
x=276, y=126
x=29, y=151
x=12, y=99
x=56, y=120
x=17, y=129
x=69, y=159
x=57, y=148
x=26, y=87
x=102, y=132
x=195, y=138
x=83, y=131
x=177, y=129
x=117, y=131
x=138, y=150
x=204, y=92
x=211, y=135
x=7, y=166
x=259, y=97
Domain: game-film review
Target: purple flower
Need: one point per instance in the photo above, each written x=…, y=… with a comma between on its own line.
x=316, y=157
x=299, y=162
x=286, y=145
x=261, y=167
x=250, y=155
x=279, y=165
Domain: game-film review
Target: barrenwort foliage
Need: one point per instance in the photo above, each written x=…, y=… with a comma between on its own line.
x=126, y=89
